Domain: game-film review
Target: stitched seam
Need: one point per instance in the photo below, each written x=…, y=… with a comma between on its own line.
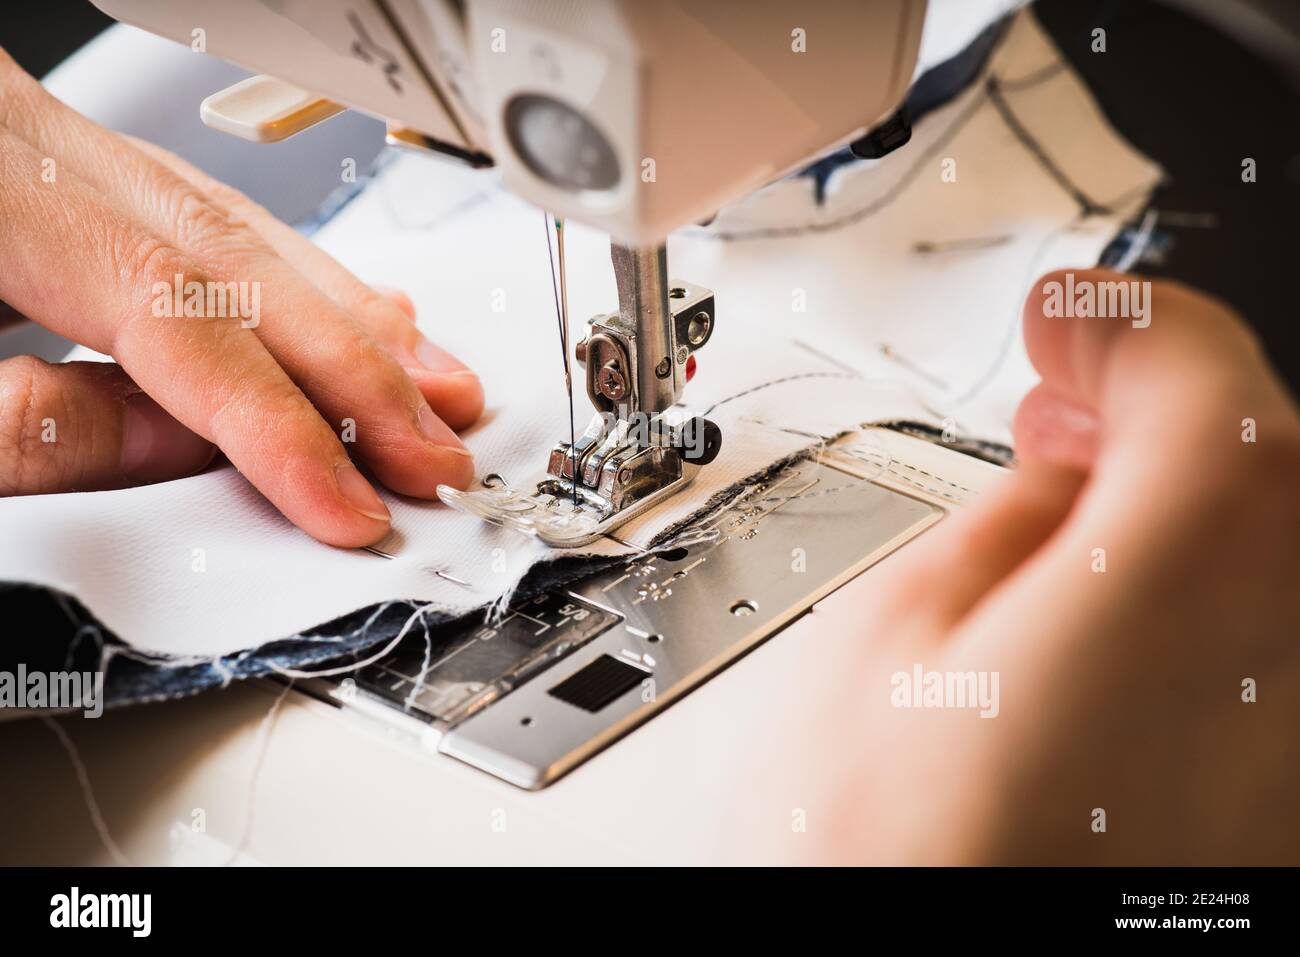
x=908, y=480
x=938, y=478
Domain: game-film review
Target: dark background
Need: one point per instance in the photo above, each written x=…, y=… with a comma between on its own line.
x=1188, y=95
x=1198, y=102
x=40, y=33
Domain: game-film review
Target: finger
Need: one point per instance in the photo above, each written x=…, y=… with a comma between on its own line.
x=400, y=299
x=1159, y=375
x=1191, y=384
x=85, y=426
x=209, y=373
x=934, y=583
x=1174, y=397
x=451, y=389
x=1174, y=473
x=324, y=350
x=394, y=418
x=1052, y=427
x=1137, y=396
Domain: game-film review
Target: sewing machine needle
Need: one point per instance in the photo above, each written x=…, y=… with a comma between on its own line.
x=562, y=317
x=564, y=343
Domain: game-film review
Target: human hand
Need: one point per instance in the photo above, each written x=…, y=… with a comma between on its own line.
x=1133, y=585
x=96, y=228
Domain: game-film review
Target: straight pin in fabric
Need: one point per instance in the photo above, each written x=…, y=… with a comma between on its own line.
x=957, y=245
x=889, y=352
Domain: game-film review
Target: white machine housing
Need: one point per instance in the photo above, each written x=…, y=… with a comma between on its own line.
x=631, y=116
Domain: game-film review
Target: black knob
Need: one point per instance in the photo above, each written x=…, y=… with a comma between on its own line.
x=701, y=441
x=886, y=137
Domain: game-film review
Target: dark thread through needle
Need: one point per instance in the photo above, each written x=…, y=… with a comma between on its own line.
x=564, y=337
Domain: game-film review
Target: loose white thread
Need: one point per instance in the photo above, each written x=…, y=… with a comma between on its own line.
x=344, y=669
x=87, y=792
x=263, y=745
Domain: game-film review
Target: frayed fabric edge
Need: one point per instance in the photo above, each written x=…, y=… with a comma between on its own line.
x=132, y=676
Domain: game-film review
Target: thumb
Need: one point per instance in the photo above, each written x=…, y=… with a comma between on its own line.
x=85, y=426
x=1113, y=383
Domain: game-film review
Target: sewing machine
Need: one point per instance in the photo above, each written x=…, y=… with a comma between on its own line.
x=635, y=118
x=604, y=119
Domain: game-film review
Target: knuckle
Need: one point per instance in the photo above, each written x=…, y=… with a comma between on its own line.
x=270, y=425
x=194, y=215
x=24, y=407
x=386, y=323
x=277, y=437
x=146, y=262
x=359, y=351
x=231, y=199
x=148, y=268
x=378, y=312
x=18, y=382
x=205, y=224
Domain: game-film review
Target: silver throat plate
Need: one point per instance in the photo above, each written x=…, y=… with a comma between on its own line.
x=571, y=671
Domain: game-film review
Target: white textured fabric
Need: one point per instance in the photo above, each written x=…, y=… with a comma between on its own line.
x=843, y=280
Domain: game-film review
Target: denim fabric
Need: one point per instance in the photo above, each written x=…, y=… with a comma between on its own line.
x=47, y=630
x=55, y=632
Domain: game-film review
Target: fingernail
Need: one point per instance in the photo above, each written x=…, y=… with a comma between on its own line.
x=155, y=446
x=456, y=468
x=359, y=494
x=436, y=431
x=457, y=378
x=435, y=360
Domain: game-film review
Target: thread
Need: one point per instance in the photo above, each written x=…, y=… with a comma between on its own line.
x=87, y=792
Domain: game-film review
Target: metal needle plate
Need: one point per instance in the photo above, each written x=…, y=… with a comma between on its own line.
x=687, y=613
x=674, y=618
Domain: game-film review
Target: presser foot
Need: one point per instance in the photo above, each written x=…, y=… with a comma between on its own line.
x=615, y=475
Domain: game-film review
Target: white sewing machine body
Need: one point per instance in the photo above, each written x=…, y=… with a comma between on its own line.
x=633, y=117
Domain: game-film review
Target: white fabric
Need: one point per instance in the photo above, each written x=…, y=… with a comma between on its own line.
x=458, y=244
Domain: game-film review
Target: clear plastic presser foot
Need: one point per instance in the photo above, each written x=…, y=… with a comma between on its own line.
x=635, y=452
x=545, y=509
